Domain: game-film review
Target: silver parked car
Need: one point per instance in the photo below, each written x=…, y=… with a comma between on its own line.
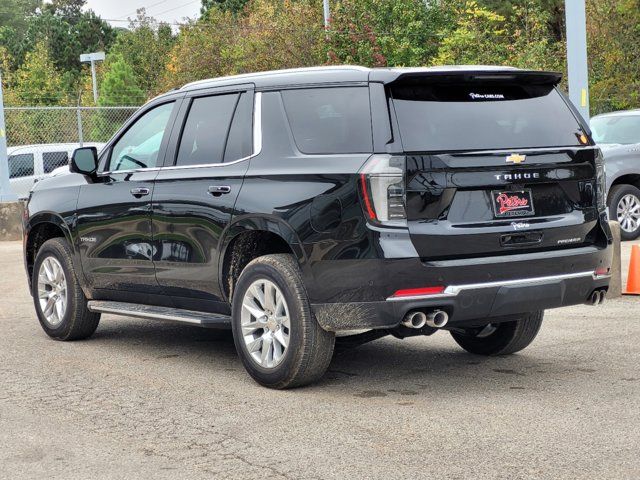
x=618, y=135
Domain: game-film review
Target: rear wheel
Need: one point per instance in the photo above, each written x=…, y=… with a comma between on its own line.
x=624, y=206
x=500, y=338
x=275, y=332
x=60, y=303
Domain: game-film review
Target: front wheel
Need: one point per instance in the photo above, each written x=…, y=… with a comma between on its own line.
x=624, y=206
x=60, y=303
x=502, y=338
x=275, y=332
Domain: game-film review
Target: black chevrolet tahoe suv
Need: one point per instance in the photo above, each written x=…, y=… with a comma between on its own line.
x=300, y=206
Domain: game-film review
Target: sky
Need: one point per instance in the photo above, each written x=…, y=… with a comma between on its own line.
x=170, y=11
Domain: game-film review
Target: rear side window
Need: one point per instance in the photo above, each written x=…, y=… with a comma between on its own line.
x=436, y=117
x=21, y=165
x=206, y=130
x=330, y=120
x=53, y=160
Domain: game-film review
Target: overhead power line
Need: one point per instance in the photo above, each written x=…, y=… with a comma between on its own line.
x=146, y=8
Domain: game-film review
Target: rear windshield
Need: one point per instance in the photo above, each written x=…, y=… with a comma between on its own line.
x=436, y=117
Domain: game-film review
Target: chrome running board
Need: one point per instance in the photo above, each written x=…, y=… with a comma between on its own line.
x=203, y=319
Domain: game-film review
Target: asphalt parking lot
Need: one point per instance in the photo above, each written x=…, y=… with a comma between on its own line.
x=147, y=399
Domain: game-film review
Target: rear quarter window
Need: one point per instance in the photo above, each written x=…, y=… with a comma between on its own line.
x=330, y=120
x=438, y=117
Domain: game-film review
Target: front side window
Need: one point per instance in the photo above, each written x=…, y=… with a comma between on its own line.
x=206, y=130
x=140, y=145
x=21, y=165
x=330, y=120
x=53, y=160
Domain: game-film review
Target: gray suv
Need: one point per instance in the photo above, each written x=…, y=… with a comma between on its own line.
x=618, y=135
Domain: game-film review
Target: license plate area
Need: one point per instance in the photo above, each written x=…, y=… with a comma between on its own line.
x=512, y=204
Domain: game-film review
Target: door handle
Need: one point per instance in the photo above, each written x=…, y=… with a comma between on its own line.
x=217, y=190
x=140, y=192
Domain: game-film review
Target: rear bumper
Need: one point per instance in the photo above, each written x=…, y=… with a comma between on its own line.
x=476, y=289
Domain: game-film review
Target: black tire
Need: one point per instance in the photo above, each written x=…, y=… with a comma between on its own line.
x=508, y=336
x=77, y=321
x=310, y=348
x=616, y=194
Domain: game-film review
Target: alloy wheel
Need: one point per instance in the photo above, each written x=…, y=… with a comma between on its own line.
x=52, y=291
x=628, y=213
x=265, y=323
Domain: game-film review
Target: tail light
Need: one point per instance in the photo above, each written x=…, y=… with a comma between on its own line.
x=382, y=188
x=601, y=182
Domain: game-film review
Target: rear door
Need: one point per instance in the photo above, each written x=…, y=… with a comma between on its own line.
x=195, y=193
x=496, y=164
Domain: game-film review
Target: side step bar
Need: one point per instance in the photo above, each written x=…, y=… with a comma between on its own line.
x=203, y=319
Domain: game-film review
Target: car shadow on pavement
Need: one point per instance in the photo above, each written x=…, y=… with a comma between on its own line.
x=385, y=367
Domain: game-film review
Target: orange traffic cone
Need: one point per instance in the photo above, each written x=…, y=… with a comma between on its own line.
x=633, y=280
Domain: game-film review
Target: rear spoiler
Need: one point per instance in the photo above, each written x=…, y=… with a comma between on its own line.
x=452, y=75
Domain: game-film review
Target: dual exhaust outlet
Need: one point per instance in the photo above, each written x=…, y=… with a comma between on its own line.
x=596, y=297
x=417, y=319
x=438, y=318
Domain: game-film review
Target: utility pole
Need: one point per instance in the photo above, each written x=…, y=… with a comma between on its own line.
x=5, y=187
x=93, y=58
x=576, y=21
x=327, y=15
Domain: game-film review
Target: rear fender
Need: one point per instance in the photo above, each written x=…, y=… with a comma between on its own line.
x=265, y=223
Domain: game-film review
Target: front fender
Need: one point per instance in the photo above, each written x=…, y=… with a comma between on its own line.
x=32, y=225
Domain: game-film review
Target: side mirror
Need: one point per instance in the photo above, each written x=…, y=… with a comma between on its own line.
x=84, y=160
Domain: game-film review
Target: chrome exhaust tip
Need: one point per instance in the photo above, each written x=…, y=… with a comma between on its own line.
x=597, y=297
x=437, y=319
x=414, y=319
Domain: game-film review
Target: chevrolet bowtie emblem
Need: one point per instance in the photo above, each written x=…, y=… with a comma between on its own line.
x=516, y=158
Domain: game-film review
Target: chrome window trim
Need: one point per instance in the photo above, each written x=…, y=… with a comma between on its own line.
x=454, y=290
x=257, y=146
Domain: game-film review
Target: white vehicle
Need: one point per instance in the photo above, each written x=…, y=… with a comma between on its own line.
x=30, y=163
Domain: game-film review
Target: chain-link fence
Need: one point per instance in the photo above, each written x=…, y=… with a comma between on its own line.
x=37, y=125
x=41, y=139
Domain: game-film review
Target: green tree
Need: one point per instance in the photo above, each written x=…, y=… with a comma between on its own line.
x=119, y=86
x=146, y=46
x=68, y=37
x=37, y=81
x=70, y=9
x=554, y=10
x=478, y=35
x=14, y=13
x=233, y=6
x=276, y=34
x=613, y=36
x=384, y=32
x=270, y=34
